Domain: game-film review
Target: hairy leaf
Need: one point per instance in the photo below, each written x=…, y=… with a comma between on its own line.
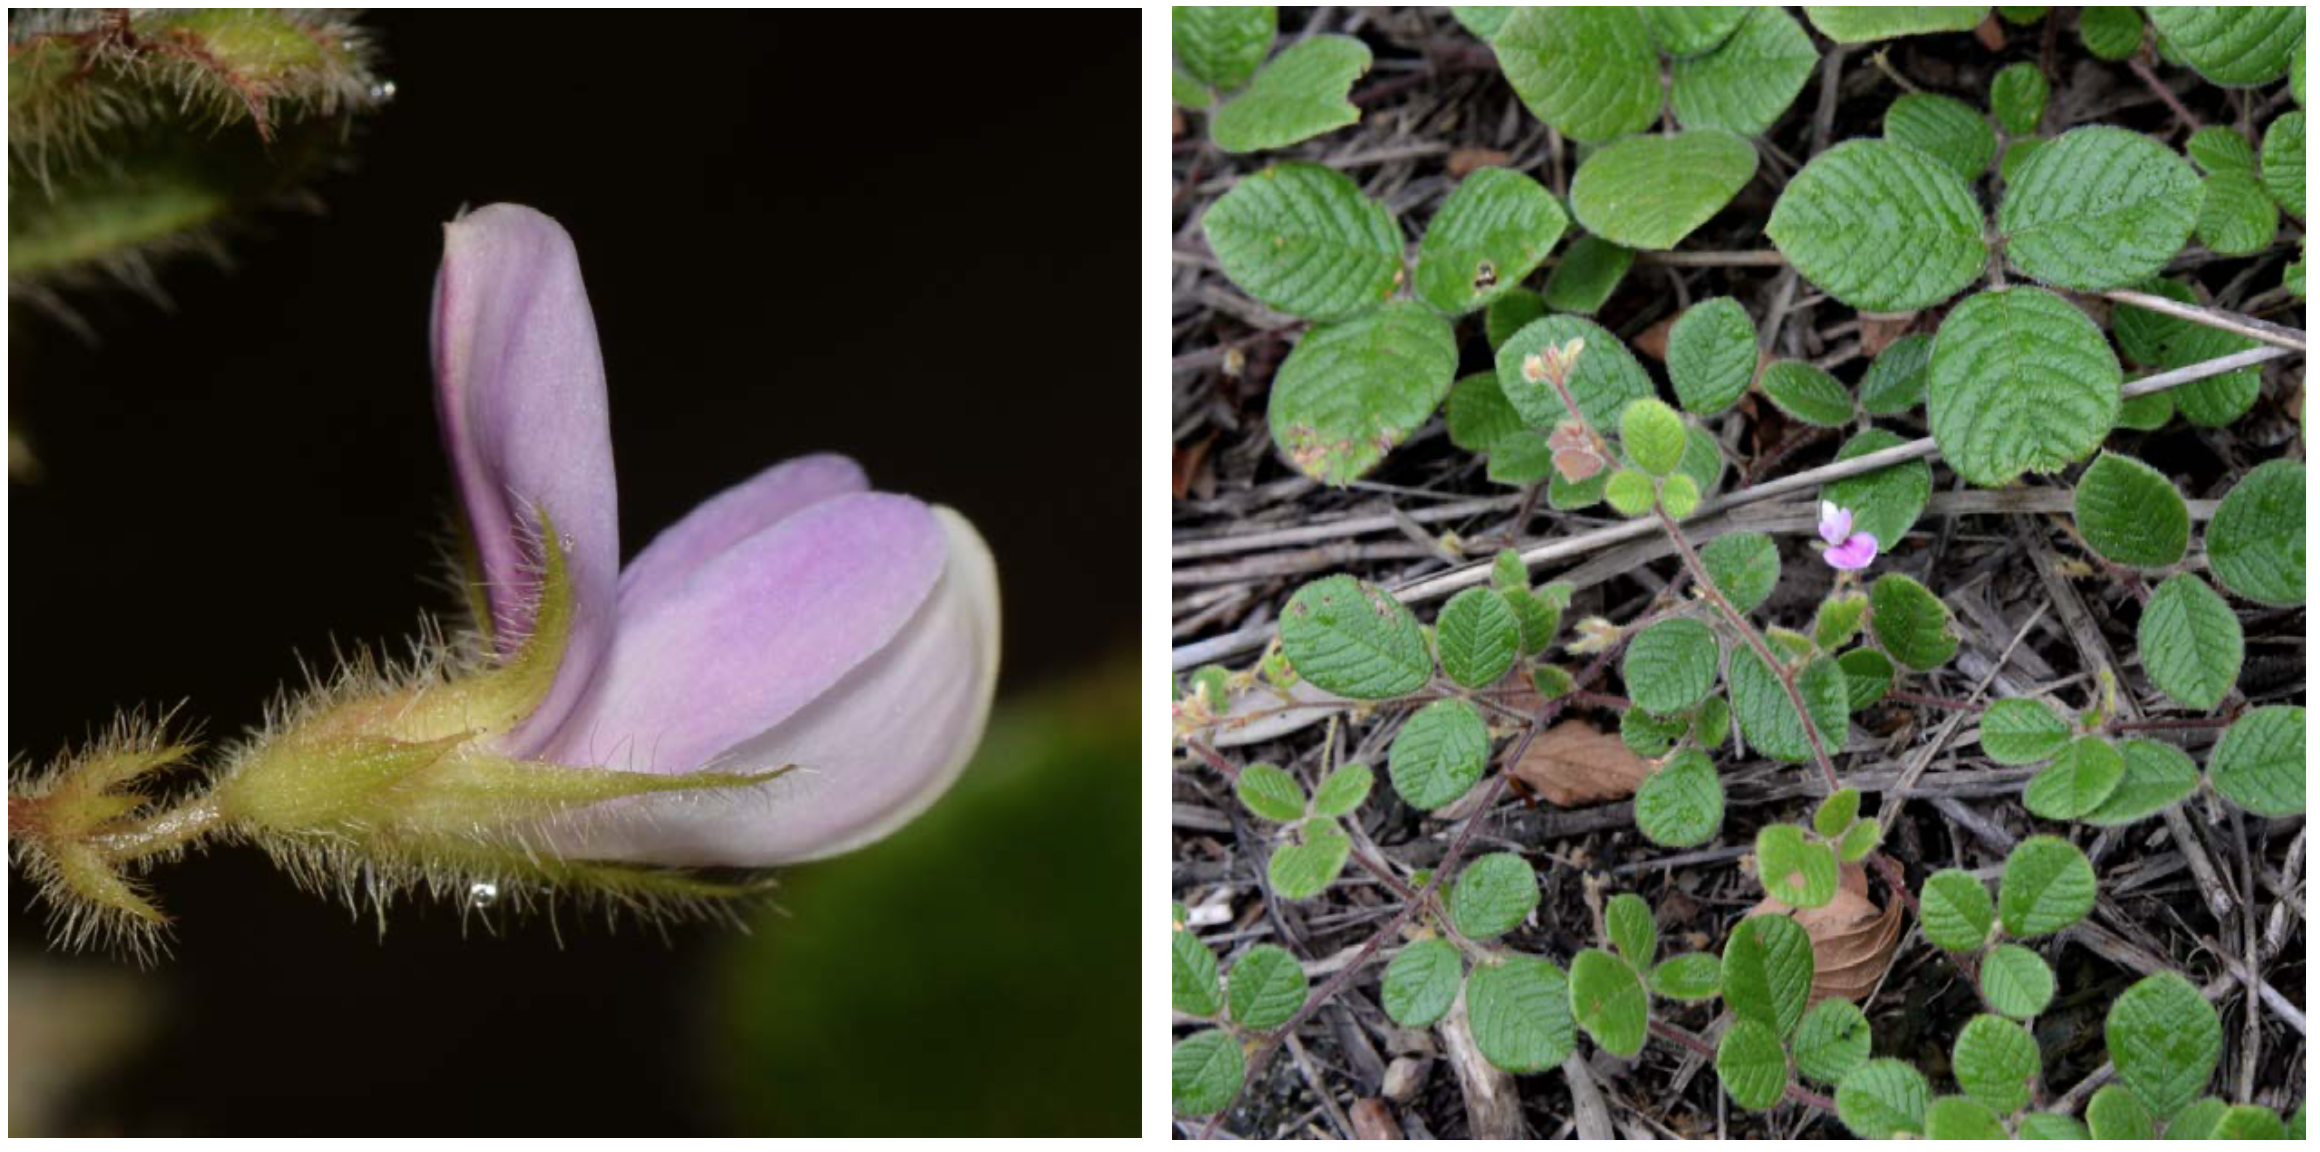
x=1439, y=754
x=1301, y=871
x=2015, y=982
x=1690, y=977
x=1885, y=503
x=1711, y=355
x=1808, y=394
x=1478, y=634
x=1349, y=392
x=2130, y=513
x=1954, y=909
x=2110, y=33
x=2255, y=544
x=1768, y=972
x=1204, y=1072
x=1493, y=896
x=2259, y=763
x=2047, y=887
x=2234, y=47
x=1683, y=31
x=1650, y=192
x=1221, y=46
x=2158, y=776
x=1271, y=793
x=1608, y=1000
x=1768, y=717
x=1627, y=922
x=1353, y=639
x=1996, y=1062
x=1671, y=665
x=1895, y=381
x=1521, y=1011
x=1343, y=791
x=2079, y=781
x=1192, y=975
x=1831, y=1041
x=2099, y=207
x=1881, y=226
x=2190, y=642
x=1946, y=128
x=1682, y=804
x=1798, y=872
x=2020, y=381
x=1493, y=231
x=1604, y=381
x=1751, y=1064
x=1747, y=81
x=2283, y=174
x=1883, y=1099
x=1589, y=72
x=2018, y=98
x=1266, y=987
x=1911, y=623
x=1864, y=24
x=1745, y=567
x=1587, y=275
x=1302, y=239
x=1298, y=96
x=1420, y=983
x=2164, y=1038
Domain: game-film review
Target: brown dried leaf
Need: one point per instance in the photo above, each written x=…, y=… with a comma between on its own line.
x=1574, y=765
x=1653, y=341
x=1991, y=32
x=1879, y=332
x=1464, y=161
x=1372, y=1119
x=1853, y=940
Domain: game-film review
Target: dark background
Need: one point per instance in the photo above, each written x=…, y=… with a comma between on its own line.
x=887, y=236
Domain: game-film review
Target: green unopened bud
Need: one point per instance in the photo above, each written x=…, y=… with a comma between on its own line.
x=1680, y=495
x=1629, y=492
x=1653, y=435
x=1507, y=571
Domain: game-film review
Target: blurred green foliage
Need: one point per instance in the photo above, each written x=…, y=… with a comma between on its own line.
x=976, y=974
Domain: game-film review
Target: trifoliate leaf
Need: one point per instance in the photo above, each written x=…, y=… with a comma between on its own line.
x=1868, y=676
x=1671, y=665
x=2098, y=208
x=2217, y=148
x=2047, y=887
x=1864, y=24
x=1650, y=192
x=1831, y=1041
x=1604, y=381
x=2018, y=98
x=1302, y=239
x=2190, y=642
x=1301, y=871
x=1808, y=394
x=1221, y=46
x=2158, y=776
x=1745, y=566
x=1837, y=811
x=2236, y=215
x=1684, y=32
x=2284, y=162
x=2164, y=1039
x=1192, y=987
x=1477, y=634
x=1343, y=791
x=1354, y=640
x=1911, y=623
x=1652, y=435
x=1946, y=128
x=1520, y=1008
x=2020, y=381
x=1798, y=872
x=2234, y=47
x=1298, y=96
x=2015, y=982
x=1711, y=354
x=2115, y=1114
x=1493, y=231
x=1955, y=911
x=1627, y=922
x=1439, y=754
x=2255, y=544
x=1266, y=987
x=1204, y=1072
x=1591, y=73
x=1587, y=275
x=1747, y=81
x=1493, y=895
x=1768, y=971
x=2259, y=763
x=1509, y=313
x=1608, y=1000
x=1751, y=1065
x=2077, y=783
x=1269, y=792
x=1895, y=381
x=1682, y=804
x=1690, y=977
x=1768, y=718
x=2110, y=33
x=2130, y=513
x=1887, y=502
x=1350, y=391
x=1881, y=226
x=1996, y=1061
x=1421, y=983
x=1883, y=1099
x=1961, y=1118
x=2023, y=731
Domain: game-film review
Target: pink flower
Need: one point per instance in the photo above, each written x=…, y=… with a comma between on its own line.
x=1847, y=549
x=796, y=618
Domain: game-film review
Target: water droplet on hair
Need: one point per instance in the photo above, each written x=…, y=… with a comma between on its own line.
x=481, y=895
x=565, y=541
x=383, y=91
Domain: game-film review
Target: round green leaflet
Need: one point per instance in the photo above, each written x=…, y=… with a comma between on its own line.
x=2047, y=887
x=2158, y=776
x=1300, y=871
x=2255, y=544
x=1649, y=192
x=1711, y=355
x=2110, y=33
x=1266, y=987
x=1748, y=80
x=1204, y=1072
x=1270, y=792
x=1589, y=72
x=1493, y=896
x=2116, y=1114
x=2018, y=98
x=1478, y=635
x=1682, y=804
x=1883, y=1099
x=2190, y=642
x=1670, y=666
x=2049, y=1125
x=1807, y=394
x=1895, y=381
x=1745, y=567
x=1955, y=910
x=1961, y=1118
x=2079, y=781
x=2020, y=381
x=1767, y=716
x=1221, y=46
x=1439, y=754
x=1798, y=872
x=1768, y=972
x=1608, y=1000
x=2130, y=513
x=1298, y=96
x=1520, y=1008
x=2015, y=982
x=2023, y=731
x=1882, y=227
x=2259, y=763
x=1302, y=239
x=2164, y=1038
x=1192, y=975
x=1627, y=921
x=1690, y=31
x=1343, y=790
x=1996, y=1062
x=1603, y=382
x=2236, y=46
x=1350, y=391
x=2098, y=208
x=1420, y=983
x=1353, y=639
x=1864, y=24
x=1590, y=271
x=2283, y=171
x=1911, y=623
x=1831, y=1041
x=1943, y=127
x=1751, y=1065
x=1868, y=676
x=1491, y=233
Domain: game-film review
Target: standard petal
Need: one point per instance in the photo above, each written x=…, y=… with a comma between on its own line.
x=519, y=388
x=1836, y=523
x=873, y=751
x=1855, y=553
x=730, y=517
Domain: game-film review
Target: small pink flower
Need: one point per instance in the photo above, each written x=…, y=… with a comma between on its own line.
x=1847, y=550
